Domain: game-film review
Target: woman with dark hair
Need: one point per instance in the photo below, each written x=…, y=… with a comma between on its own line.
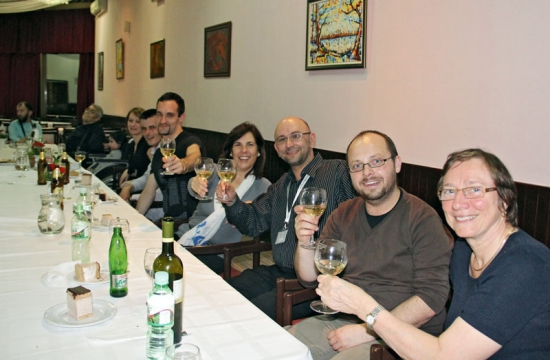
x=245, y=145
x=136, y=150
x=500, y=276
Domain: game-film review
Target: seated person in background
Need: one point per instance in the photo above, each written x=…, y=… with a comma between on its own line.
x=245, y=145
x=136, y=150
x=176, y=199
x=398, y=250
x=500, y=308
x=89, y=136
x=149, y=129
x=24, y=127
x=116, y=140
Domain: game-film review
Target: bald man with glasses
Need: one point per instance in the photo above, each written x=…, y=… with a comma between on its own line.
x=89, y=136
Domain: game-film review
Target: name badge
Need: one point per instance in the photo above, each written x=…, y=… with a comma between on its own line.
x=281, y=236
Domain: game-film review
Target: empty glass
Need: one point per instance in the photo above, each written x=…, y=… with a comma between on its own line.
x=124, y=227
x=150, y=255
x=183, y=351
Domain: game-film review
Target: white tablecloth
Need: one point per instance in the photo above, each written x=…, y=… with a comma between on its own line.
x=220, y=321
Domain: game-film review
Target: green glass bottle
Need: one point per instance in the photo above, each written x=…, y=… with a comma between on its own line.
x=168, y=261
x=118, y=264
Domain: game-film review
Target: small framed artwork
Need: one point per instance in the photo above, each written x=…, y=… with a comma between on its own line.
x=217, y=50
x=335, y=34
x=157, y=59
x=119, y=59
x=100, y=71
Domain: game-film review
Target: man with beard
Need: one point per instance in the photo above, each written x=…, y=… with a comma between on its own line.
x=24, y=127
x=398, y=250
x=89, y=136
x=294, y=143
x=176, y=200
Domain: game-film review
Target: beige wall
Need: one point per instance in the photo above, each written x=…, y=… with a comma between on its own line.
x=441, y=75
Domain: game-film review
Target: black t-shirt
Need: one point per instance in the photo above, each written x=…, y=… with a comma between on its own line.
x=177, y=202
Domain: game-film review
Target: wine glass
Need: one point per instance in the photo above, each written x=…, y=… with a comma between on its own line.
x=124, y=226
x=330, y=258
x=167, y=148
x=226, y=171
x=79, y=156
x=204, y=168
x=150, y=255
x=183, y=351
x=314, y=201
x=21, y=161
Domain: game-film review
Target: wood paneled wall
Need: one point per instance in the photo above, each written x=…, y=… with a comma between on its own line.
x=533, y=200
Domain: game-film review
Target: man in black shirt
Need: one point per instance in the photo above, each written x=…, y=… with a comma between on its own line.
x=176, y=200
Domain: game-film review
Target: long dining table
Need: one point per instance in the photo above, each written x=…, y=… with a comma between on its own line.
x=36, y=270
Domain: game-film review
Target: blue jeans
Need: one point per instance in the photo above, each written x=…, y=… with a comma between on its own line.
x=260, y=286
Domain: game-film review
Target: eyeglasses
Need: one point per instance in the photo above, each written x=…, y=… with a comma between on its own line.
x=375, y=163
x=294, y=137
x=471, y=192
x=93, y=111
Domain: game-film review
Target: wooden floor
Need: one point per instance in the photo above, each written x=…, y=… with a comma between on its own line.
x=240, y=263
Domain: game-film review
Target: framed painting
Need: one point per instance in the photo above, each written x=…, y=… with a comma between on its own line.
x=217, y=50
x=335, y=34
x=100, y=71
x=119, y=59
x=157, y=59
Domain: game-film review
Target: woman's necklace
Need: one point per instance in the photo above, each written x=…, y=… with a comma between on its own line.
x=513, y=230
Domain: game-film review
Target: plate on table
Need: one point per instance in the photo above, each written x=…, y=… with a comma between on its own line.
x=104, y=278
x=58, y=315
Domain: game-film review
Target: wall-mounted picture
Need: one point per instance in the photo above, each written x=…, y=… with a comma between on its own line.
x=119, y=59
x=157, y=59
x=335, y=34
x=100, y=71
x=217, y=50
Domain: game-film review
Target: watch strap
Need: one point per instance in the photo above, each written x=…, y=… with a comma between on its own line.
x=371, y=317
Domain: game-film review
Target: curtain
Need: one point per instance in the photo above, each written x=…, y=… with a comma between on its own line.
x=85, y=91
x=26, y=35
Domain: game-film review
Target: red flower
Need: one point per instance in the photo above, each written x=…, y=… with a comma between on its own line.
x=37, y=144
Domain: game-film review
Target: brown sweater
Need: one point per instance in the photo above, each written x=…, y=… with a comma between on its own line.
x=406, y=254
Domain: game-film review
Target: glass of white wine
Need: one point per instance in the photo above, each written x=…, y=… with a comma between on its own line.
x=226, y=171
x=314, y=201
x=79, y=156
x=204, y=168
x=167, y=148
x=330, y=258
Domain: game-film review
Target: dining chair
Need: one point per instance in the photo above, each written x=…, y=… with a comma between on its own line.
x=255, y=247
x=289, y=293
x=380, y=352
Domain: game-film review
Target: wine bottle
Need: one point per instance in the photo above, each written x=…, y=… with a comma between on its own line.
x=168, y=261
x=118, y=264
x=57, y=185
x=41, y=169
x=67, y=166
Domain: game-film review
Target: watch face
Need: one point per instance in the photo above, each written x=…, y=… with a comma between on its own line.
x=370, y=319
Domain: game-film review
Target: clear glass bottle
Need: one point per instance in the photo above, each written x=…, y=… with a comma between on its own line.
x=81, y=232
x=118, y=264
x=160, y=317
x=168, y=261
x=51, y=219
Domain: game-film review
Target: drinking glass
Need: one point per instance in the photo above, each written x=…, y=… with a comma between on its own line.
x=80, y=156
x=21, y=160
x=226, y=171
x=92, y=196
x=167, y=148
x=204, y=168
x=150, y=255
x=124, y=225
x=183, y=351
x=330, y=258
x=48, y=155
x=314, y=201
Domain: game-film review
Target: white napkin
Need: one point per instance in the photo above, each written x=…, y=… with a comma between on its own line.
x=57, y=276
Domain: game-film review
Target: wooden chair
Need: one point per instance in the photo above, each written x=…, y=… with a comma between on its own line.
x=255, y=247
x=379, y=352
x=289, y=293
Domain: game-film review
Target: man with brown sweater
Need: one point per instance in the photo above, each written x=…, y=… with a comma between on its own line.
x=398, y=250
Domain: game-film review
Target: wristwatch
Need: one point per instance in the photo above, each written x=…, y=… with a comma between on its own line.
x=371, y=317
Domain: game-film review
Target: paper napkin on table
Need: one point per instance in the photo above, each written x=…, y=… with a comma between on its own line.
x=57, y=276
